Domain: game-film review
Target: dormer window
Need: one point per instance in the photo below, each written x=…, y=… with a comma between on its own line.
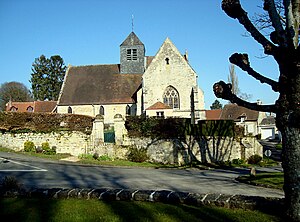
x=29, y=109
x=131, y=54
x=13, y=109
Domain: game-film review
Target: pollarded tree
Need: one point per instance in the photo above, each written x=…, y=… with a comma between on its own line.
x=283, y=46
x=47, y=77
x=13, y=91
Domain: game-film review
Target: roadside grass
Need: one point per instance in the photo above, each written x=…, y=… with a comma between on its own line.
x=270, y=180
x=17, y=209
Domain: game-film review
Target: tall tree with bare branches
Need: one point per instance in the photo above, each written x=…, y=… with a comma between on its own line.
x=283, y=46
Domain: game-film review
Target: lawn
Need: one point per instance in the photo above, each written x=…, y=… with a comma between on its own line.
x=272, y=180
x=16, y=209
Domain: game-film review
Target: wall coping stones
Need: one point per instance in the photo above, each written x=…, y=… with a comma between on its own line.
x=164, y=196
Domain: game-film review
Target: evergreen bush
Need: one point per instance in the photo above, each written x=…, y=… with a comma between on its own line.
x=47, y=150
x=29, y=146
x=137, y=154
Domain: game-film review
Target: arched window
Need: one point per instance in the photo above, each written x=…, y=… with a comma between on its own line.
x=128, y=110
x=70, y=109
x=29, y=109
x=101, y=110
x=171, y=97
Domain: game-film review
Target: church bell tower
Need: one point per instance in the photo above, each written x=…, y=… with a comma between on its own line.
x=132, y=55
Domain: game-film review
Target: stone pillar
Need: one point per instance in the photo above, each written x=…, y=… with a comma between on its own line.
x=119, y=126
x=98, y=130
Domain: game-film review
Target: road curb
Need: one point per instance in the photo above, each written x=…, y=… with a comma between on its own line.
x=164, y=196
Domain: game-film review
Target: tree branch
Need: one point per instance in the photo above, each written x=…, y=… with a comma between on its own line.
x=223, y=90
x=242, y=61
x=279, y=36
x=234, y=10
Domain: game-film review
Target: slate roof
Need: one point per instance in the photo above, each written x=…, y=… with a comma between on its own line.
x=131, y=40
x=98, y=84
x=235, y=112
x=158, y=106
x=38, y=106
x=213, y=114
x=270, y=120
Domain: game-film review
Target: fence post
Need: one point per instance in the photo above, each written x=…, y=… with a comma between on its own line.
x=98, y=130
x=119, y=126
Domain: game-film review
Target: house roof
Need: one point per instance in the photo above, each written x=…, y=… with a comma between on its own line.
x=213, y=114
x=158, y=106
x=131, y=40
x=38, y=106
x=98, y=84
x=235, y=112
x=270, y=120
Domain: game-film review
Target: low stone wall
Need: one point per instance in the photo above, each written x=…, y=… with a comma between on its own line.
x=73, y=142
x=204, y=149
x=165, y=196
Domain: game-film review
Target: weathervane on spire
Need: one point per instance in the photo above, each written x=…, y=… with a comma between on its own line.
x=132, y=22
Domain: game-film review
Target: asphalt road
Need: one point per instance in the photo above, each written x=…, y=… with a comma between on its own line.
x=40, y=173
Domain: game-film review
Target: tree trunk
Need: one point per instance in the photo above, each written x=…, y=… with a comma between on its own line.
x=291, y=167
x=288, y=122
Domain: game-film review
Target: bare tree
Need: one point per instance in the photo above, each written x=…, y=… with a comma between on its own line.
x=234, y=81
x=283, y=46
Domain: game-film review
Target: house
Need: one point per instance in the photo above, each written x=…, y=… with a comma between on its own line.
x=159, y=85
x=249, y=119
x=213, y=114
x=268, y=129
x=33, y=106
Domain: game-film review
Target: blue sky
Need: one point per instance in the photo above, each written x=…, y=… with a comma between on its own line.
x=85, y=32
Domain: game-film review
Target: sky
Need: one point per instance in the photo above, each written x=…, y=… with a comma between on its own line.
x=88, y=32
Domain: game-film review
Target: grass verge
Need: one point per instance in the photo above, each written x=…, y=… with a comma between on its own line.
x=15, y=209
x=270, y=180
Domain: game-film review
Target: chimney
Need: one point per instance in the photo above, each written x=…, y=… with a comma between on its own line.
x=259, y=102
x=186, y=56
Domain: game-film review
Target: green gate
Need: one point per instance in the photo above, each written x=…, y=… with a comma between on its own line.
x=109, y=137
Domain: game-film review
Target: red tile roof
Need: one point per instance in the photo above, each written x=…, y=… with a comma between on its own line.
x=38, y=106
x=158, y=106
x=214, y=114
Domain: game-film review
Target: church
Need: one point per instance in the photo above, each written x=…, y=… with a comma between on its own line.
x=164, y=85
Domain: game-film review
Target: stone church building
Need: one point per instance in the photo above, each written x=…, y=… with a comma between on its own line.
x=163, y=85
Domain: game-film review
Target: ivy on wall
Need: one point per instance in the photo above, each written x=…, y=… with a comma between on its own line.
x=44, y=122
x=178, y=128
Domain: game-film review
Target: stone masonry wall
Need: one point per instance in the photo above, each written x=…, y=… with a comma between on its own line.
x=74, y=143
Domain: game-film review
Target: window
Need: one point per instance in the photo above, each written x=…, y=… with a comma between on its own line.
x=69, y=109
x=128, y=110
x=131, y=54
x=13, y=109
x=29, y=109
x=171, y=97
x=167, y=61
x=101, y=110
x=160, y=114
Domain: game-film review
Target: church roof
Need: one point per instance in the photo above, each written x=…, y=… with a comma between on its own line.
x=131, y=40
x=98, y=84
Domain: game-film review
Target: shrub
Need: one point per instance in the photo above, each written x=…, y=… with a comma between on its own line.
x=29, y=146
x=254, y=159
x=137, y=154
x=47, y=150
x=10, y=183
x=95, y=156
x=238, y=161
x=104, y=158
